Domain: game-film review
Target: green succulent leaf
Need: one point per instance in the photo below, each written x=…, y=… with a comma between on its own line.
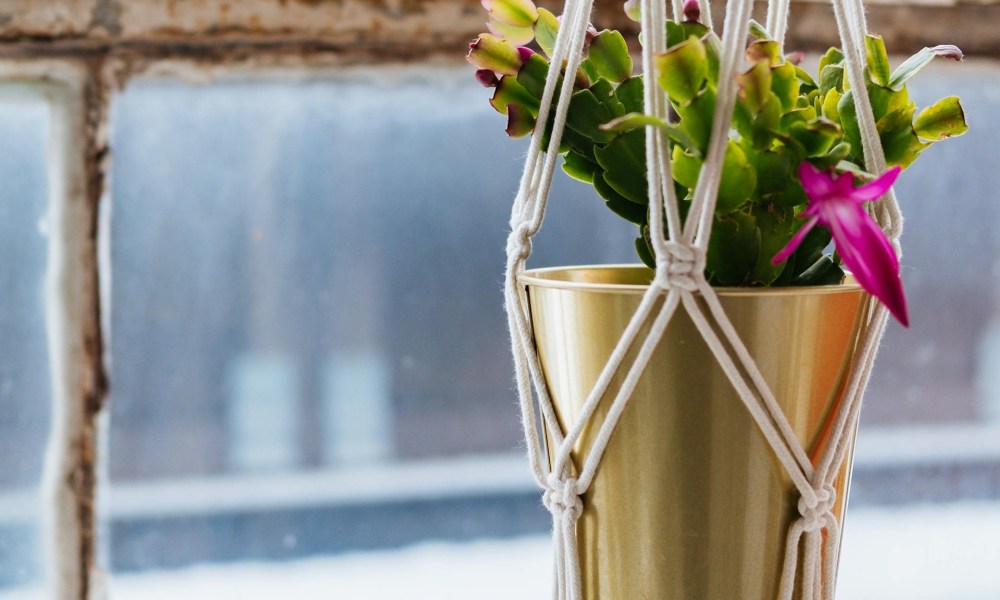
x=880, y=99
x=733, y=249
x=675, y=34
x=822, y=272
x=681, y=70
x=767, y=51
x=579, y=167
x=633, y=121
x=520, y=121
x=774, y=170
x=849, y=123
x=588, y=69
x=519, y=13
x=918, y=61
x=604, y=91
x=633, y=10
x=806, y=82
x=532, y=76
x=755, y=85
x=833, y=157
x=785, y=85
x=758, y=32
x=830, y=103
x=630, y=211
x=812, y=247
x=685, y=168
x=775, y=227
x=696, y=117
x=739, y=180
x=643, y=250
x=817, y=137
x=943, y=119
x=519, y=36
x=831, y=78
x=624, y=162
x=833, y=56
x=630, y=94
x=846, y=166
x=793, y=195
x=878, y=59
x=510, y=92
x=610, y=57
x=899, y=139
x=586, y=115
x=695, y=28
x=765, y=125
x=494, y=53
x=546, y=29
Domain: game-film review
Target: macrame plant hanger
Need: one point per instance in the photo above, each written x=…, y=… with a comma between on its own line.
x=679, y=277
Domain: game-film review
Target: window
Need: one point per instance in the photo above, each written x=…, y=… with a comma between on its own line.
x=291, y=276
x=24, y=362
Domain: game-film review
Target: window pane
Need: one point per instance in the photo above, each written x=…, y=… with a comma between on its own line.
x=307, y=277
x=24, y=376
x=946, y=366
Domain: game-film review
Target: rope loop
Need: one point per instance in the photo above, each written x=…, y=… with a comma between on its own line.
x=680, y=266
x=519, y=242
x=816, y=509
x=561, y=497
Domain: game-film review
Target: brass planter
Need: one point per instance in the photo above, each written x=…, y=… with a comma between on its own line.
x=689, y=502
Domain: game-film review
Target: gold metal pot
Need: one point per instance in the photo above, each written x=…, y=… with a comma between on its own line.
x=689, y=502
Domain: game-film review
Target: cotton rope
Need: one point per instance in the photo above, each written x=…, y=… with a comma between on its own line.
x=679, y=276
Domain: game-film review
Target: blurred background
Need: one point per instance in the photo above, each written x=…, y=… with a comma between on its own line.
x=310, y=370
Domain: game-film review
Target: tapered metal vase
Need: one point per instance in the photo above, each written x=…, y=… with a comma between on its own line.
x=689, y=502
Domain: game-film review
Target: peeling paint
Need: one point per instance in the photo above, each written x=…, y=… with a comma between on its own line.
x=56, y=27
x=107, y=15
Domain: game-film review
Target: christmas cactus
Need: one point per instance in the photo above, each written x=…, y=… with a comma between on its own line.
x=792, y=157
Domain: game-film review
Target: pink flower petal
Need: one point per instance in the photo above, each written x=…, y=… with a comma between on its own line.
x=793, y=244
x=817, y=184
x=868, y=255
x=878, y=188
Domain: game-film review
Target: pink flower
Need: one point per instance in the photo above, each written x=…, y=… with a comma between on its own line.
x=861, y=243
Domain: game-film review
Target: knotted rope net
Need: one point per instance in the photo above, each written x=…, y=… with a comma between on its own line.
x=679, y=277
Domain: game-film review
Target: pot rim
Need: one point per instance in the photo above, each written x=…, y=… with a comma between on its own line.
x=541, y=277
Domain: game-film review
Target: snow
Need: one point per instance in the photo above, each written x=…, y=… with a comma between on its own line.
x=931, y=552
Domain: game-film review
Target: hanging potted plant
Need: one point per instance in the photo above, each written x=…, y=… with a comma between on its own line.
x=703, y=491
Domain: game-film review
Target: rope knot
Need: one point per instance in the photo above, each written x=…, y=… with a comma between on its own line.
x=561, y=497
x=519, y=241
x=814, y=510
x=681, y=266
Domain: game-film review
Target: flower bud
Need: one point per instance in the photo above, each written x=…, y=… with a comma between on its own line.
x=591, y=34
x=487, y=78
x=692, y=10
x=948, y=51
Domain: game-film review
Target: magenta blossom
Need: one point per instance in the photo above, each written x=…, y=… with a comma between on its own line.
x=864, y=248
